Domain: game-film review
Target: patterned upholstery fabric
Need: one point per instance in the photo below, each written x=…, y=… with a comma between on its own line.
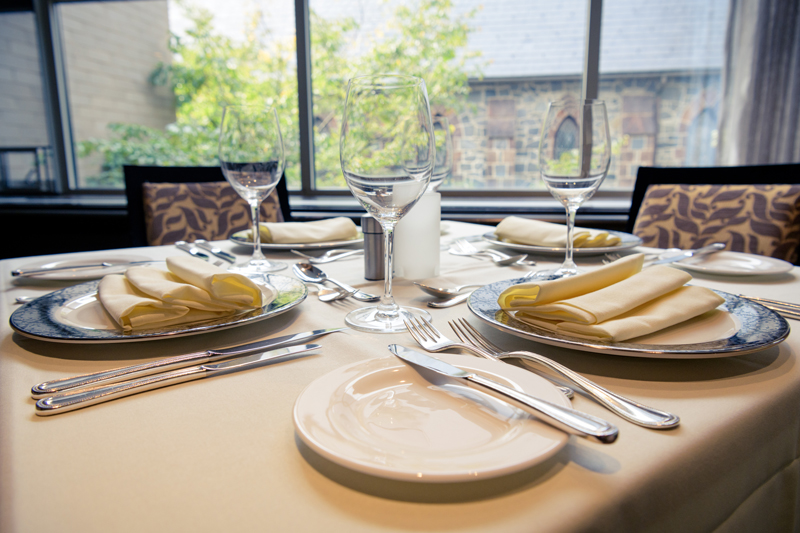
x=188, y=211
x=758, y=219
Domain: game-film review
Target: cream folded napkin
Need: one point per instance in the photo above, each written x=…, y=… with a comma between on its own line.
x=331, y=229
x=616, y=302
x=537, y=233
x=192, y=291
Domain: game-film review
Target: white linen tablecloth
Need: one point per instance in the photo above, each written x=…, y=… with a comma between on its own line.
x=222, y=454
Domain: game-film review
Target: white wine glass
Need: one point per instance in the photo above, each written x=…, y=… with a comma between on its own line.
x=251, y=155
x=387, y=154
x=574, y=156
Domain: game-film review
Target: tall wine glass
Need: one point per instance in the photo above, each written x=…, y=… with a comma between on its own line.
x=387, y=154
x=574, y=155
x=252, y=158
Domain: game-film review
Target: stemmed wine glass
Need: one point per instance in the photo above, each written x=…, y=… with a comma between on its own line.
x=387, y=154
x=574, y=155
x=252, y=158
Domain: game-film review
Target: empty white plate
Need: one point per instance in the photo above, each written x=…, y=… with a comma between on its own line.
x=735, y=264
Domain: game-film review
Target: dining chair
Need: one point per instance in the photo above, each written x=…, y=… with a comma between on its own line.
x=170, y=204
x=753, y=209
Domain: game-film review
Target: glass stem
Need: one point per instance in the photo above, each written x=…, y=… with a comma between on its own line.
x=257, y=255
x=387, y=307
x=569, y=264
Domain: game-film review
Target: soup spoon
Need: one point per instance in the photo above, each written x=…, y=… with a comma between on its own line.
x=311, y=274
x=442, y=292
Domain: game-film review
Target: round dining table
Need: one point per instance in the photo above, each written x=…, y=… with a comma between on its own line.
x=223, y=454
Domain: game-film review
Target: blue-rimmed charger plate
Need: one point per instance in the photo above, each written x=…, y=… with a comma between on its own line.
x=75, y=315
x=741, y=327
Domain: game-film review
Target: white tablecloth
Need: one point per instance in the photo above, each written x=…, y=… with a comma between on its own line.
x=222, y=454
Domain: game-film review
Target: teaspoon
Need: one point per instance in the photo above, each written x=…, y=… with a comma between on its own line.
x=311, y=274
x=442, y=292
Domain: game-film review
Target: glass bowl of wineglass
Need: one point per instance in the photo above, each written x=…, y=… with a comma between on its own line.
x=387, y=155
x=574, y=156
x=251, y=156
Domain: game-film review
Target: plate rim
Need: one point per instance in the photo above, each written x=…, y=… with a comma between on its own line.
x=705, y=350
x=459, y=360
x=90, y=287
x=83, y=275
x=300, y=246
x=785, y=265
x=530, y=248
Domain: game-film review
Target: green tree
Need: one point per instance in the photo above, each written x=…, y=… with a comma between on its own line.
x=208, y=70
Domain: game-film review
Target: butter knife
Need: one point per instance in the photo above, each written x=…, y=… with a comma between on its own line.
x=563, y=418
x=191, y=250
x=205, y=245
x=36, y=271
x=69, y=402
x=49, y=388
x=710, y=249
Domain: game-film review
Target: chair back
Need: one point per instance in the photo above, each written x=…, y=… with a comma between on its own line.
x=754, y=209
x=170, y=204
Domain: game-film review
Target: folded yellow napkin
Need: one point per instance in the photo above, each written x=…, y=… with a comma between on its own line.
x=192, y=291
x=537, y=233
x=331, y=229
x=616, y=302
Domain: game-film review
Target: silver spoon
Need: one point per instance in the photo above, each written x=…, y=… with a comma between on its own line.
x=311, y=274
x=331, y=295
x=442, y=292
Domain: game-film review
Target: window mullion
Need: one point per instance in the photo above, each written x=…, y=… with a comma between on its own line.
x=304, y=103
x=591, y=58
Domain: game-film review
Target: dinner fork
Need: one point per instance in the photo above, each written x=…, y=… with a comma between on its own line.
x=432, y=340
x=329, y=256
x=630, y=410
x=462, y=247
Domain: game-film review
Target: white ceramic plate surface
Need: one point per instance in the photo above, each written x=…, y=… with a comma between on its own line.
x=383, y=418
x=118, y=262
x=734, y=264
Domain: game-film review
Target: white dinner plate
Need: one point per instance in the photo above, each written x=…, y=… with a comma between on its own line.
x=734, y=264
x=627, y=241
x=75, y=315
x=383, y=418
x=737, y=327
x=301, y=245
x=118, y=264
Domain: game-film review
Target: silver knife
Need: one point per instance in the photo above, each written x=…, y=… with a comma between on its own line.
x=191, y=250
x=33, y=272
x=563, y=418
x=69, y=402
x=48, y=388
x=711, y=248
x=205, y=245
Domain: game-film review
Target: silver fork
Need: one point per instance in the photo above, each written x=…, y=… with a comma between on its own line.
x=432, y=340
x=630, y=410
x=462, y=247
x=329, y=256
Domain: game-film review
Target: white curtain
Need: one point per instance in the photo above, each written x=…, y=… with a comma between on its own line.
x=761, y=84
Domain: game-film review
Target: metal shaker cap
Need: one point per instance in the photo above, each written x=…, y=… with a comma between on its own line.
x=370, y=225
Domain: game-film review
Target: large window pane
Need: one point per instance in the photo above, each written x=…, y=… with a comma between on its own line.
x=25, y=147
x=490, y=67
x=147, y=79
x=660, y=75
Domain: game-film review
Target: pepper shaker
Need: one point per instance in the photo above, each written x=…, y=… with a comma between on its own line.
x=373, y=248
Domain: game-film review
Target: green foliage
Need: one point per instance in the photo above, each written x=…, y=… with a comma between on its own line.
x=209, y=70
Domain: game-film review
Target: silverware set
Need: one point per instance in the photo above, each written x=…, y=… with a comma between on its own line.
x=785, y=309
x=67, y=394
x=311, y=274
x=193, y=249
x=463, y=247
x=329, y=256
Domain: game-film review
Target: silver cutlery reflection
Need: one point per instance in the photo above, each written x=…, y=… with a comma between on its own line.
x=191, y=250
x=84, y=398
x=55, y=386
x=563, y=418
x=462, y=247
x=441, y=292
x=104, y=264
x=455, y=300
x=630, y=410
x=205, y=245
x=705, y=250
x=329, y=256
x=785, y=309
x=311, y=274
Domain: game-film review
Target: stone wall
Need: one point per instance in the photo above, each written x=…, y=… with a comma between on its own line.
x=496, y=141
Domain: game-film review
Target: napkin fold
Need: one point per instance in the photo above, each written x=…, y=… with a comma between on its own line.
x=617, y=302
x=331, y=229
x=192, y=291
x=537, y=233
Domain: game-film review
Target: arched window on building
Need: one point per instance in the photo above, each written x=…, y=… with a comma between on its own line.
x=566, y=137
x=701, y=140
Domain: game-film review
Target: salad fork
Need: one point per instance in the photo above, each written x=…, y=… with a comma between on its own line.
x=432, y=340
x=630, y=410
